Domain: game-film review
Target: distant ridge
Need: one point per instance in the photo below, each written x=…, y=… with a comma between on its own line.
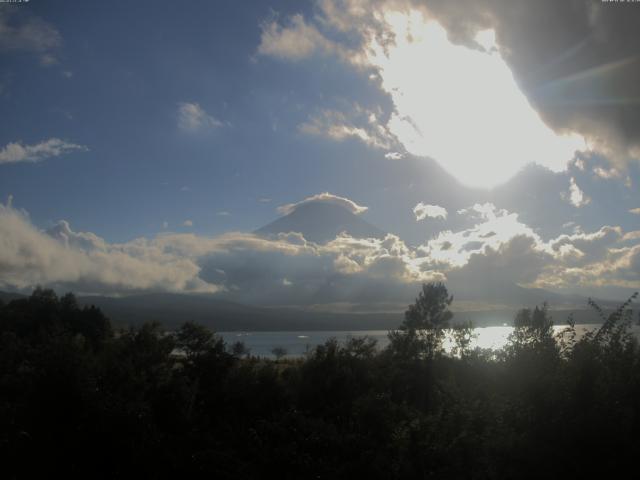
x=7, y=297
x=172, y=309
x=320, y=223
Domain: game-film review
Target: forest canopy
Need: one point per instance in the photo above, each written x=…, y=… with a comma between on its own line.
x=80, y=398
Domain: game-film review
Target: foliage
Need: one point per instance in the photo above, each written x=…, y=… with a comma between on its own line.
x=463, y=335
x=80, y=400
x=430, y=310
x=424, y=325
x=279, y=352
x=533, y=332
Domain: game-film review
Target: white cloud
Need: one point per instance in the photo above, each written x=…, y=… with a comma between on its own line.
x=635, y=211
x=585, y=247
x=341, y=14
x=252, y=266
x=86, y=263
x=325, y=197
x=193, y=118
x=15, y=152
x=498, y=251
x=579, y=163
x=48, y=59
x=296, y=41
x=600, y=167
x=496, y=227
x=576, y=197
x=393, y=155
x=461, y=105
x=499, y=268
x=360, y=124
x=618, y=267
x=631, y=236
x=344, y=270
x=423, y=210
x=486, y=211
x=29, y=34
x=607, y=173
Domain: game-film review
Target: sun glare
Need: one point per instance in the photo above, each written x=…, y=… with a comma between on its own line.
x=462, y=106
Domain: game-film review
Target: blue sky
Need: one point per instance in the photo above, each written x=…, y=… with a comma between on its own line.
x=132, y=123
x=130, y=69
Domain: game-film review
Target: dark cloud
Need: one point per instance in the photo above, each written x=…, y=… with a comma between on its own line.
x=496, y=273
x=470, y=246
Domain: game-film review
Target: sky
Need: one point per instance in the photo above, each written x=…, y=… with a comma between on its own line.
x=497, y=142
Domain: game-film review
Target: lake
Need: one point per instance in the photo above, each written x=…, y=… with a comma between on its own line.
x=297, y=344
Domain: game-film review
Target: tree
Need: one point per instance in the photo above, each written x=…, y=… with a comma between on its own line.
x=279, y=352
x=533, y=329
x=430, y=310
x=239, y=349
x=196, y=341
x=425, y=322
x=463, y=336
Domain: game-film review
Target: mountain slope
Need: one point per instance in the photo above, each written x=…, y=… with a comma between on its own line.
x=321, y=222
x=172, y=309
x=7, y=297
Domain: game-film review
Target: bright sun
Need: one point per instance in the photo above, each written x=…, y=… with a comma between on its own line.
x=462, y=107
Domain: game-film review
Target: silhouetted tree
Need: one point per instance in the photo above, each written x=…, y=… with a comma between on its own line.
x=279, y=352
x=425, y=322
x=76, y=400
x=533, y=329
x=197, y=341
x=239, y=349
x=463, y=334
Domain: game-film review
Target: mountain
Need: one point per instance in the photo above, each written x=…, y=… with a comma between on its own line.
x=494, y=292
x=321, y=222
x=172, y=309
x=7, y=297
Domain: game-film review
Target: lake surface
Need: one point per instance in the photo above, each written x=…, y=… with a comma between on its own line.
x=297, y=344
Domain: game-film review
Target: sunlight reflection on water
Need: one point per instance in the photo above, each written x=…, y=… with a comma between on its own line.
x=298, y=343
